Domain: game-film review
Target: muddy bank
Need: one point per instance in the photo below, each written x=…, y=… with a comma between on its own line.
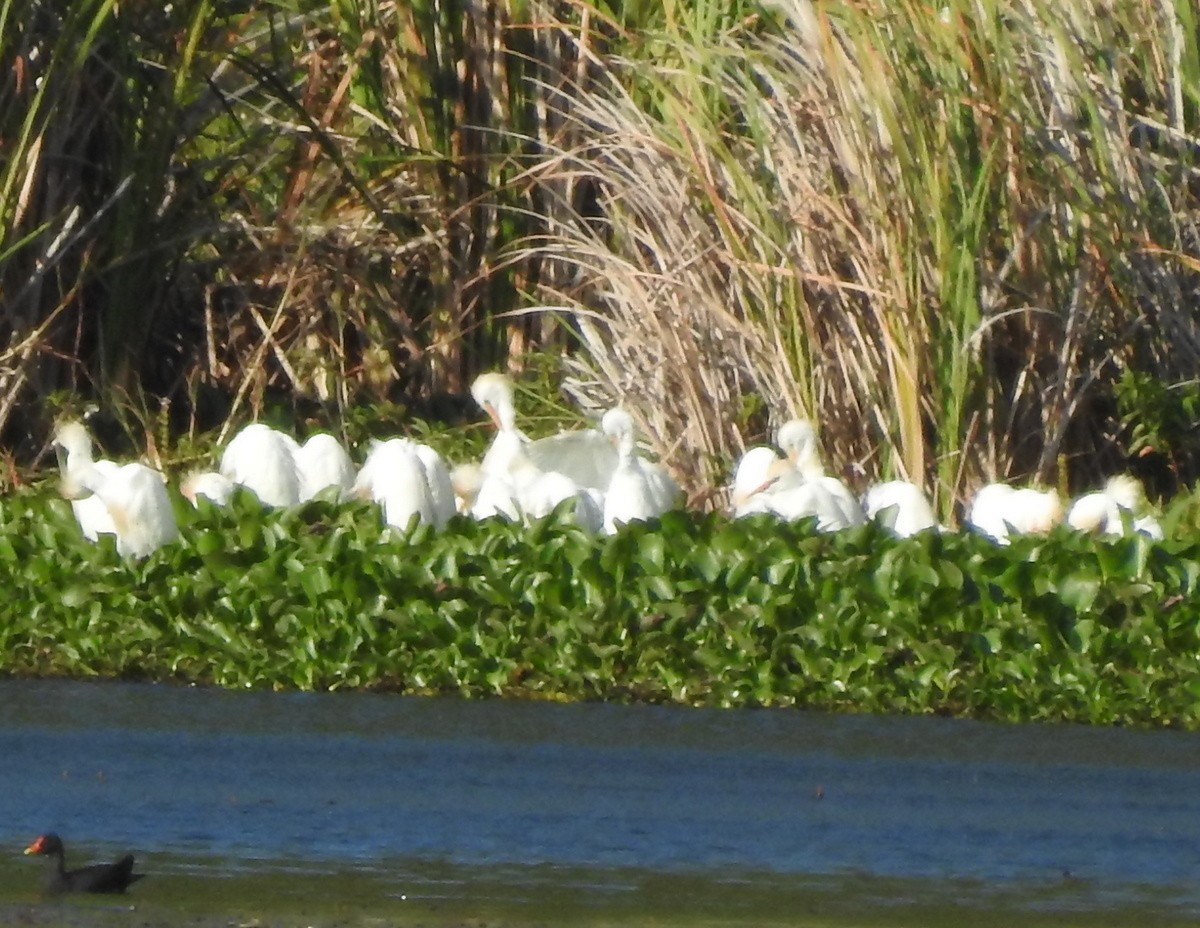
x=563, y=896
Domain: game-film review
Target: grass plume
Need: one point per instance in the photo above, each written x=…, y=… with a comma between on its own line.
x=939, y=232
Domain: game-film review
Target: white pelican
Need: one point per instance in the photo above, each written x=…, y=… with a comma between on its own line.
x=375, y=480
x=545, y=491
x=484, y=496
x=901, y=506
x=521, y=478
x=632, y=495
x=494, y=394
x=73, y=447
x=585, y=455
x=322, y=462
x=394, y=476
x=466, y=480
x=757, y=471
x=798, y=441
x=134, y=495
x=617, y=426
x=765, y=482
x=525, y=493
x=264, y=461
x=998, y=510
x=441, y=490
x=209, y=484
x=1106, y=511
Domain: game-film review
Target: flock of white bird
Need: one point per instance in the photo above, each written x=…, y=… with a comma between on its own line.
x=795, y=486
x=601, y=471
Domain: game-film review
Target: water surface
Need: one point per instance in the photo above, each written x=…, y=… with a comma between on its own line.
x=379, y=802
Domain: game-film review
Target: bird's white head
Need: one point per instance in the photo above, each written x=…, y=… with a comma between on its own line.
x=73, y=448
x=757, y=471
x=1041, y=509
x=1126, y=492
x=798, y=439
x=494, y=394
x=209, y=484
x=73, y=438
x=466, y=481
x=617, y=424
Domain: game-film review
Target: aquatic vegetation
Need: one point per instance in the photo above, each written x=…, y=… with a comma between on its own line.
x=691, y=608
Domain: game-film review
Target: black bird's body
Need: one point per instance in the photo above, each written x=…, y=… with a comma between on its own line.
x=97, y=878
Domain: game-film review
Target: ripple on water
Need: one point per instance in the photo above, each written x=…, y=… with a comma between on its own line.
x=442, y=797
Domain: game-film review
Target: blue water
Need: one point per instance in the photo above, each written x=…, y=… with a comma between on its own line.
x=365, y=780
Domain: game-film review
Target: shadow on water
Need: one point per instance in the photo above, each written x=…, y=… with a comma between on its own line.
x=364, y=809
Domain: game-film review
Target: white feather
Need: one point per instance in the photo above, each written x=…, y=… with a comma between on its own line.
x=633, y=494
x=209, y=484
x=901, y=506
x=264, y=461
x=133, y=497
x=323, y=462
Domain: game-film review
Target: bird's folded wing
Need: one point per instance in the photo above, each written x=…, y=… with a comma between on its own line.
x=586, y=456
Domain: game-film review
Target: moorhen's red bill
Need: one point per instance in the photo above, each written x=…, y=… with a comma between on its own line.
x=98, y=878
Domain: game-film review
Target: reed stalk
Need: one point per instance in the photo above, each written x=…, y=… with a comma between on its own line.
x=97, y=211
x=940, y=232
x=322, y=188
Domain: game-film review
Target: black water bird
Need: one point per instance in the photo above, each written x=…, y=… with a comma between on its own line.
x=96, y=878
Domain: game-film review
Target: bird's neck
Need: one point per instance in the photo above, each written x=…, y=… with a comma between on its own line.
x=506, y=416
x=74, y=458
x=809, y=465
x=80, y=459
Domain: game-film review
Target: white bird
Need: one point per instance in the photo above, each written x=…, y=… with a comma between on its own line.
x=998, y=509
x=525, y=493
x=466, y=479
x=631, y=495
x=544, y=492
x=484, y=496
x=323, y=462
x=73, y=448
x=524, y=479
x=264, y=461
x=494, y=394
x=901, y=506
x=584, y=455
x=587, y=456
x=1107, y=511
x=441, y=490
x=764, y=482
x=209, y=484
x=616, y=425
x=133, y=495
x=757, y=471
x=798, y=441
x=639, y=490
x=394, y=476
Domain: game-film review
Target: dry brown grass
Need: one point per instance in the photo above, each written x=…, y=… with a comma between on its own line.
x=307, y=212
x=940, y=237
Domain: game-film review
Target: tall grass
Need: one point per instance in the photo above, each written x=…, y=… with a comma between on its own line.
x=380, y=265
x=939, y=231
x=291, y=204
x=95, y=210
x=431, y=98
